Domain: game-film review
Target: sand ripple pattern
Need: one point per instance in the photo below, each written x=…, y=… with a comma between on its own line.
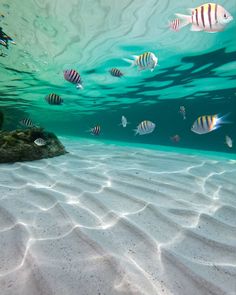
x=109, y=219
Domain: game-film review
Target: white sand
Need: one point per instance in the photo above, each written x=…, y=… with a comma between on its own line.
x=107, y=219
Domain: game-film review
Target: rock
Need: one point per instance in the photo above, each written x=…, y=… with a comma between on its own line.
x=18, y=145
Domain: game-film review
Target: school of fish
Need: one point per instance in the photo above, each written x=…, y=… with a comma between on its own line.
x=209, y=17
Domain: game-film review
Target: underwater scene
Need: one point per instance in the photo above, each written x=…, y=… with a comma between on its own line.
x=117, y=147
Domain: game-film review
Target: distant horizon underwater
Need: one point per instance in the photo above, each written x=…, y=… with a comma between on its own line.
x=142, y=97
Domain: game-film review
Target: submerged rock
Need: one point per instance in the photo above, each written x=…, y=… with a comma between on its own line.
x=18, y=145
x=1, y=119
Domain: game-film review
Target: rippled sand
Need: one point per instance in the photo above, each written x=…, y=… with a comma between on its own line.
x=109, y=219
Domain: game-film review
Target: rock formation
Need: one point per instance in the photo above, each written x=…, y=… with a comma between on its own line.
x=18, y=145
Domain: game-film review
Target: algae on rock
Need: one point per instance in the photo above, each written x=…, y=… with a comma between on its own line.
x=18, y=145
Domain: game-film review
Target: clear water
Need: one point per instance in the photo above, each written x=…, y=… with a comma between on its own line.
x=196, y=70
x=119, y=214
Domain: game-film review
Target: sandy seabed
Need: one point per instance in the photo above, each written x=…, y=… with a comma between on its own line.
x=108, y=219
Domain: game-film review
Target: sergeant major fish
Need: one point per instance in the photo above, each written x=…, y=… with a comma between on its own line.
x=95, y=130
x=116, y=72
x=147, y=60
x=145, y=127
x=27, y=122
x=53, y=99
x=175, y=24
x=74, y=77
x=206, y=124
x=209, y=17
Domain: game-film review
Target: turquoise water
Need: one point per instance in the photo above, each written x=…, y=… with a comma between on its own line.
x=196, y=69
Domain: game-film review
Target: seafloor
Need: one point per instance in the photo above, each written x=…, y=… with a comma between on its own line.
x=110, y=219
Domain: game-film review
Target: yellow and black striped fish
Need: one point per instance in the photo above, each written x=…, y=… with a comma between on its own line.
x=54, y=99
x=147, y=60
x=116, y=72
x=209, y=17
x=208, y=123
x=145, y=127
x=27, y=122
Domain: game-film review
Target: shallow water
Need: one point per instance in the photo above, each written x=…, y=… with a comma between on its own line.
x=196, y=70
x=118, y=214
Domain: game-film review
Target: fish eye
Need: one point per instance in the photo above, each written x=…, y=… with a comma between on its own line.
x=225, y=15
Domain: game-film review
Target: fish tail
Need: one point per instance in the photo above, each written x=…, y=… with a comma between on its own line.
x=135, y=131
x=79, y=86
x=184, y=20
x=223, y=119
x=130, y=61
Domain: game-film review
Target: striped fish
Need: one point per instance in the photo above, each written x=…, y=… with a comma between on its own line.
x=73, y=76
x=95, y=130
x=40, y=142
x=175, y=24
x=27, y=122
x=116, y=72
x=53, y=99
x=145, y=127
x=209, y=17
x=208, y=123
x=147, y=60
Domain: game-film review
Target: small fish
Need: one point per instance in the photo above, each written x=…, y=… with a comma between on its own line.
x=27, y=122
x=73, y=76
x=116, y=72
x=147, y=60
x=209, y=17
x=40, y=142
x=182, y=111
x=124, y=121
x=145, y=127
x=175, y=25
x=3, y=43
x=95, y=130
x=175, y=138
x=208, y=123
x=53, y=99
x=228, y=141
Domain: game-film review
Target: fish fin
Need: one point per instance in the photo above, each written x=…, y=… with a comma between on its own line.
x=223, y=119
x=130, y=61
x=134, y=56
x=135, y=131
x=152, y=70
x=184, y=20
x=195, y=28
x=211, y=31
x=79, y=86
x=216, y=127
